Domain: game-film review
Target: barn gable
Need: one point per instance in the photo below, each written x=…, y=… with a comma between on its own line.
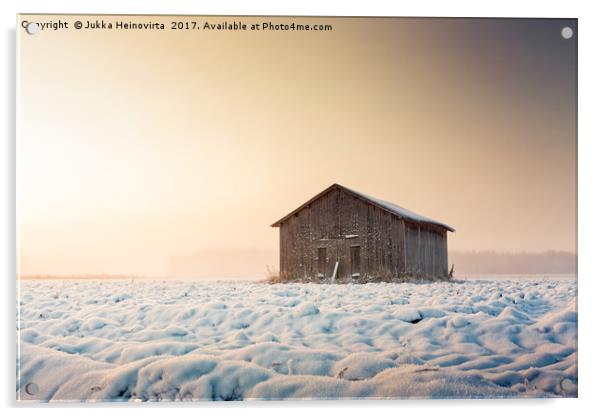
x=387, y=206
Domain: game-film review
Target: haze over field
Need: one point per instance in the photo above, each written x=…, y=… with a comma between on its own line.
x=170, y=153
x=210, y=266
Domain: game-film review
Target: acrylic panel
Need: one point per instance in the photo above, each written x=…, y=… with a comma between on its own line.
x=284, y=208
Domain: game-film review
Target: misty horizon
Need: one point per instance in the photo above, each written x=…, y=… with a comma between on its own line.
x=469, y=262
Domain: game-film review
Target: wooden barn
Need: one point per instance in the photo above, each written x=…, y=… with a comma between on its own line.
x=341, y=233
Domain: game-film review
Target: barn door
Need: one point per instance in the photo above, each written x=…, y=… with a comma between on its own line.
x=322, y=261
x=356, y=267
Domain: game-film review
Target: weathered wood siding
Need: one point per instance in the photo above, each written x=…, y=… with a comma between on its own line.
x=337, y=221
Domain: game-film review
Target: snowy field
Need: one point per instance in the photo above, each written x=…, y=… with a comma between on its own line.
x=163, y=340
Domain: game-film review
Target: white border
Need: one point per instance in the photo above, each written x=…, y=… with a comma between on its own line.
x=590, y=177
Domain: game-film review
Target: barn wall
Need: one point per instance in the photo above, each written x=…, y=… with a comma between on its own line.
x=389, y=246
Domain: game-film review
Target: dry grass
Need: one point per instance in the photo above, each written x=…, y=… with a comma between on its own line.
x=273, y=276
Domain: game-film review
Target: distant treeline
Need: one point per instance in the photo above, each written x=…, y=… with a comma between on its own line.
x=492, y=262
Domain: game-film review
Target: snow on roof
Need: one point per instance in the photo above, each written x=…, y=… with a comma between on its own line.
x=400, y=211
x=388, y=206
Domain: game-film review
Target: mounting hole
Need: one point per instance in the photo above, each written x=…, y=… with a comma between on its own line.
x=32, y=28
x=32, y=389
x=566, y=32
x=568, y=386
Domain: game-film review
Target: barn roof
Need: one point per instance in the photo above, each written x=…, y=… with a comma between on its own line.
x=385, y=205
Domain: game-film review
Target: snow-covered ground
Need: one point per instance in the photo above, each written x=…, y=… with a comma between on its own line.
x=165, y=340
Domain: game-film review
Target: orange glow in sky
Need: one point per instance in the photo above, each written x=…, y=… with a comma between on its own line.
x=169, y=153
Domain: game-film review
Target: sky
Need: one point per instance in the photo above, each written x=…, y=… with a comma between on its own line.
x=169, y=153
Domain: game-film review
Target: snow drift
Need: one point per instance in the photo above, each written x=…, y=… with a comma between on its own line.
x=164, y=340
